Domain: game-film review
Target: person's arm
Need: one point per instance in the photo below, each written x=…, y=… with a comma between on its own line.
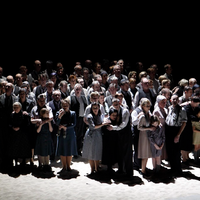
x=50, y=126
x=176, y=139
x=125, y=120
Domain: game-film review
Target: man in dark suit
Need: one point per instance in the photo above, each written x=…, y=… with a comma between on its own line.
x=6, y=107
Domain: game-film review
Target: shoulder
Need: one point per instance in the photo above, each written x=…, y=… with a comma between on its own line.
x=89, y=116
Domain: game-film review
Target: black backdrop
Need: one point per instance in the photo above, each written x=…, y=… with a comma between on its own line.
x=161, y=35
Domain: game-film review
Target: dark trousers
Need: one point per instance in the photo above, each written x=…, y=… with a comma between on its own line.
x=125, y=151
x=136, y=160
x=80, y=129
x=173, y=149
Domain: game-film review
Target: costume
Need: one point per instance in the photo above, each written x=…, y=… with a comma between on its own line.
x=156, y=137
x=19, y=142
x=92, y=144
x=44, y=144
x=67, y=145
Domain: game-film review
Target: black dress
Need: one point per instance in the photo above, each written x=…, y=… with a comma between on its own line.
x=110, y=150
x=19, y=142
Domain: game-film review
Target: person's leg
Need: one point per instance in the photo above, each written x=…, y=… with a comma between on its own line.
x=92, y=165
x=144, y=163
x=64, y=162
x=68, y=161
x=96, y=164
x=46, y=160
x=154, y=163
x=41, y=159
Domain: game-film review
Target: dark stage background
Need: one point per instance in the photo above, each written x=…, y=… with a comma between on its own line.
x=151, y=34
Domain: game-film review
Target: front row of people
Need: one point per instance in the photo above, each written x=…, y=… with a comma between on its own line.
x=109, y=139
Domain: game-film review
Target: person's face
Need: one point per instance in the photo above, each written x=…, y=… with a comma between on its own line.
x=81, y=81
x=53, y=78
x=16, y=108
x=94, y=98
x=125, y=86
x=104, y=76
x=162, y=103
x=145, y=84
x=174, y=100
x=146, y=107
x=56, y=96
x=101, y=99
x=96, y=87
x=65, y=106
x=116, y=105
x=41, y=102
x=95, y=109
x=22, y=95
x=37, y=66
x=98, y=68
x=132, y=85
x=60, y=72
x=169, y=70
x=85, y=74
x=198, y=115
x=167, y=95
x=8, y=88
x=50, y=88
x=64, y=88
x=43, y=80
x=188, y=93
x=78, y=91
x=121, y=64
x=155, y=124
x=117, y=71
x=72, y=81
x=113, y=90
x=113, y=116
x=23, y=71
x=46, y=115
x=167, y=85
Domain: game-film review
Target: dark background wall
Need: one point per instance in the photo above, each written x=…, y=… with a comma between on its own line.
x=158, y=34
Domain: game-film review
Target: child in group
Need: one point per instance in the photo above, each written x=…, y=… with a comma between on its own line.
x=157, y=140
x=196, y=138
x=44, y=145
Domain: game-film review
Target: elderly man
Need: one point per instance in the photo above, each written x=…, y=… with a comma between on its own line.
x=144, y=92
x=78, y=104
x=118, y=74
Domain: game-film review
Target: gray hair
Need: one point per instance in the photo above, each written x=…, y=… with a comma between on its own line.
x=17, y=104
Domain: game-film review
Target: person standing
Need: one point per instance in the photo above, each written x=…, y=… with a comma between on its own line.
x=67, y=147
x=92, y=144
x=175, y=123
x=6, y=107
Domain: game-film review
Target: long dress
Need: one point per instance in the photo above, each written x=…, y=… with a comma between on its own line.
x=92, y=144
x=19, y=143
x=67, y=146
x=44, y=143
x=110, y=141
x=144, y=147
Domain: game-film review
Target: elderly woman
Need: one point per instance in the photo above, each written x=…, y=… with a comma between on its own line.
x=161, y=112
x=144, y=148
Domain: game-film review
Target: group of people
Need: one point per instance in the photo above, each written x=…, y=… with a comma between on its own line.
x=108, y=114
